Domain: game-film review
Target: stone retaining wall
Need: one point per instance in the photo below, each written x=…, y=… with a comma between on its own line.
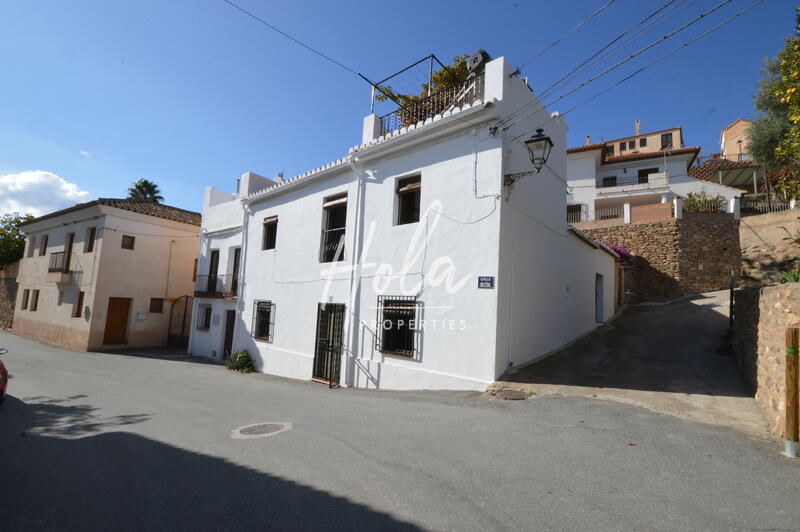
x=761, y=316
x=674, y=257
x=8, y=294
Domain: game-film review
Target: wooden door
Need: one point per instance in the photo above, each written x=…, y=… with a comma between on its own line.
x=117, y=321
x=230, y=322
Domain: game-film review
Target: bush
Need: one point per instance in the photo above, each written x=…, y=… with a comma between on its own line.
x=240, y=362
x=792, y=276
x=703, y=202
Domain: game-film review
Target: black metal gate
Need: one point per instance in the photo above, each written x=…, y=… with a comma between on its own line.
x=180, y=319
x=328, y=350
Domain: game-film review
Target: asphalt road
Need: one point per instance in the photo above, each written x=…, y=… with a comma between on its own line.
x=92, y=441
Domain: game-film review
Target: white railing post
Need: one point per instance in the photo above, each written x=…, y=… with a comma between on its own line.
x=626, y=213
x=734, y=207
x=793, y=203
x=678, y=208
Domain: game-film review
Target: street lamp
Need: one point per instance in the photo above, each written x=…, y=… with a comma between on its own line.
x=539, y=146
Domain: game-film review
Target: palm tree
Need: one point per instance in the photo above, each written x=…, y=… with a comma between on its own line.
x=144, y=189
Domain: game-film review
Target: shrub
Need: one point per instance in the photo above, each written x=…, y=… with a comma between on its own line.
x=792, y=276
x=240, y=362
x=625, y=256
x=703, y=202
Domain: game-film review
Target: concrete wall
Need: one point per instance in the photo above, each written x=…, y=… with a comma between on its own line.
x=761, y=317
x=674, y=257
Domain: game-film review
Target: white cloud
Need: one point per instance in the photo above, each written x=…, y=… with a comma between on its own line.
x=38, y=192
x=85, y=153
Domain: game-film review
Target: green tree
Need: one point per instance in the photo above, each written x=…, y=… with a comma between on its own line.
x=144, y=189
x=775, y=134
x=12, y=240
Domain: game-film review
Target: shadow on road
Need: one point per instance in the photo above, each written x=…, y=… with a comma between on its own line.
x=119, y=480
x=668, y=348
x=164, y=353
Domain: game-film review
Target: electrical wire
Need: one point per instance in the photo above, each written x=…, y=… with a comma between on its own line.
x=632, y=56
x=304, y=45
x=635, y=73
x=567, y=34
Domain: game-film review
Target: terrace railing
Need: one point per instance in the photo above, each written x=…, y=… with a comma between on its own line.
x=217, y=286
x=437, y=103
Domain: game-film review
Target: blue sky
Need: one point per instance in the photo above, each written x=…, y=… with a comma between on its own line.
x=193, y=93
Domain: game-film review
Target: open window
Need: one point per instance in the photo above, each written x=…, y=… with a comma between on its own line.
x=43, y=246
x=397, y=325
x=203, y=317
x=644, y=174
x=270, y=235
x=263, y=324
x=409, y=191
x=334, y=220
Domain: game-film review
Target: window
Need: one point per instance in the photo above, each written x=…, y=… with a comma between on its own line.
x=34, y=300
x=397, y=327
x=408, y=197
x=609, y=181
x=237, y=259
x=43, y=246
x=334, y=219
x=77, y=307
x=88, y=243
x=60, y=298
x=25, y=295
x=643, y=142
x=644, y=173
x=203, y=317
x=666, y=141
x=270, y=233
x=631, y=144
x=31, y=245
x=128, y=242
x=622, y=146
x=610, y=150
x=262, y=320
x=156, y=305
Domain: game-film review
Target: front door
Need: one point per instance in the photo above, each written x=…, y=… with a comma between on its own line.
x=230, y=321
x=117, y=321
x=328, y=349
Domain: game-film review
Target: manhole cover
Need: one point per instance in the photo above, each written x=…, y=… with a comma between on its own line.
x=260, y=430
x=510, y=394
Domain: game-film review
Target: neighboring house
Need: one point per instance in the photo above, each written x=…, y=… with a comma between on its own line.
x=106, y=274
x=429, y=257
x=645, y=169
x=734, y=141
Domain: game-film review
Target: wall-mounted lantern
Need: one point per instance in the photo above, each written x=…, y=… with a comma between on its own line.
x=539, y=146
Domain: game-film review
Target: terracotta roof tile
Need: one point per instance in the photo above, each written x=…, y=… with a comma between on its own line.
x=149, y=208
x=708, y=170
x=587, y=147
x=651, y=154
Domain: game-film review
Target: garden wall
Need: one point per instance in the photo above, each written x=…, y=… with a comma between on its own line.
x=675, y=257
x=760, y=319
x=8, y=295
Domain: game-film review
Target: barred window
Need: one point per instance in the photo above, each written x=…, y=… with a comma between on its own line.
x=263, y=320
x=397, y=325
x=203, y=317
x=128, y=241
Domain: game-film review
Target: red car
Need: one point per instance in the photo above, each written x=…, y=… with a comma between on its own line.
x=3, y=377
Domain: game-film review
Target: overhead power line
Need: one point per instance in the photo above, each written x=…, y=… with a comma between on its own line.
x=637, y=72
x=567, y=34
x=297, y=41
x=622, y=62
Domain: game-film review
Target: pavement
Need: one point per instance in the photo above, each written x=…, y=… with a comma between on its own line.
x=665, y=357
x=94, y=441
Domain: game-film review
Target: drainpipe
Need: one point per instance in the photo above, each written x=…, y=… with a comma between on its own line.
x=240, y=284
x=354, y=303
x=166, y=287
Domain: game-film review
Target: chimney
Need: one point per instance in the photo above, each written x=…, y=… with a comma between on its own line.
x=588, y=140
x=638, y=129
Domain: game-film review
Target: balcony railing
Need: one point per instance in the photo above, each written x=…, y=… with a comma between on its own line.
x=609, y=213
x=331, y=248
x=58, y=262
x=437, y=103
x=759, y=204
x=633, y=182
x=226, y=285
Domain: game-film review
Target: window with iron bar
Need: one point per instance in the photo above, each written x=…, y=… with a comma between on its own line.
x=397, y=325
x=263, y=320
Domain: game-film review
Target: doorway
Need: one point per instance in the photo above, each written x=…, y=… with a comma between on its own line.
x=117, y=321
x=180, y=318
x=328, y=344
x=230, y=322
x=598, y=298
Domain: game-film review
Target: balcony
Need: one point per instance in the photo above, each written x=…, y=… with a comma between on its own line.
x=626, y=185
x=437, y=103
x=58, y=268
x=216, y=286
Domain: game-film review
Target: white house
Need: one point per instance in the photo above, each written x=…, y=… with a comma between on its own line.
x=429, y=257
x=645, y=169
